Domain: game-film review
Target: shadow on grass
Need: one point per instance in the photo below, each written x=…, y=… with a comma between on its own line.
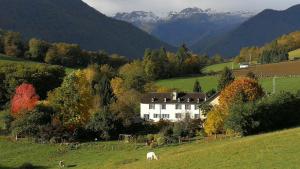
x=24, y=166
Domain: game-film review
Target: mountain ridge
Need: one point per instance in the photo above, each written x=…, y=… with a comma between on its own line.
x=73, y=21
x=258, y=30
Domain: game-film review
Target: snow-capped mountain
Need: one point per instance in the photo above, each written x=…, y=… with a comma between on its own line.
x=186, y=26
x=137, y=16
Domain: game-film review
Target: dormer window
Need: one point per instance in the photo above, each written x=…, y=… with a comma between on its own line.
x=152, y=99
x=165, y=100
x=198, y=100
x=188, y=100
x=178, y=100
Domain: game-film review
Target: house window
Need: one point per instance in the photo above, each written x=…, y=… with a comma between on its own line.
x=146, y=116
x=163, y=106
x=151, y=106
x=197, y=116
x=187, y=107
x=165, y=116
x=156, y=116
x=187, y=115
x=196, y=107
x=178, y=115
x=178, y=106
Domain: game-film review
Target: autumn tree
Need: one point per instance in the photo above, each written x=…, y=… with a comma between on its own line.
x=117, y=85
x=133, y=75
x=38, y=49
x=25, y=99
x=197, y=87
x=240, y=91
x=126, y=108
x=225, y=79
x=73, y=100
x=13, y=45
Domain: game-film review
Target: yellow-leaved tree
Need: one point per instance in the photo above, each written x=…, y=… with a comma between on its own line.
x=239, y=91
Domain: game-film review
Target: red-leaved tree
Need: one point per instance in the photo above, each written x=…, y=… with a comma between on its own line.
x=25, y=99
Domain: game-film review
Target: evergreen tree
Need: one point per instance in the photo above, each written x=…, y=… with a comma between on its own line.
x=197, y=87
x=105, y=91
x=226, y=78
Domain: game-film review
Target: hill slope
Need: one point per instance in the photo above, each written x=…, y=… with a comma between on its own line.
x=73, y=21
x=262, y=28
x=273, y=150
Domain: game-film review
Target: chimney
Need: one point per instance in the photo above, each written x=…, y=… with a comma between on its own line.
x=174, y=96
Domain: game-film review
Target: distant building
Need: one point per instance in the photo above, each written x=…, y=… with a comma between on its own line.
x=244, y=65
x=174, y=106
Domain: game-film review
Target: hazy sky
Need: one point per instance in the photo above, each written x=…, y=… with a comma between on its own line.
x=161, y=7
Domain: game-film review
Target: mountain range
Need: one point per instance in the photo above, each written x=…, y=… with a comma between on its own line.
x=73, y=21
x=258, y=30
x=188, y=26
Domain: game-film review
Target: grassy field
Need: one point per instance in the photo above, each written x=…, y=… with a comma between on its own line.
x=294, y=54
x=273, y=150
x=290, y=84
x=7, y=59
x=220, y=67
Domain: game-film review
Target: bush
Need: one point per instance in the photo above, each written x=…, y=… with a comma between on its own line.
x=275, y=112
x=31, y=122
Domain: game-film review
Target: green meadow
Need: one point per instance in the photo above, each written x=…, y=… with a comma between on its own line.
x=290, y=84
x=268, y=151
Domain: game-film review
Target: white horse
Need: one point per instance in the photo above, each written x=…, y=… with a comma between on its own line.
x=151, y=156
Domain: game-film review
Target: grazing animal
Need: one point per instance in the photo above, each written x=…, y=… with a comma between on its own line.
x=61, y=164
x=151, y=156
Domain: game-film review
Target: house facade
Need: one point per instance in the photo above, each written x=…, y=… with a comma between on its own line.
x=173, y=106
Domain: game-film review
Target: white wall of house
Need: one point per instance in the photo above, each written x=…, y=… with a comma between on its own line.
x=169, y=112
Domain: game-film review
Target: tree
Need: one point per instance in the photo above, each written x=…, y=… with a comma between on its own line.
x=240, y=91
x=73, y=100
x=126, y=107
x=197, y=87
x=217, y=58
x=103, y=88
x=133, y=75
x=25, y=99
x=226, y=78
x=117, y=85
x=214, y=123
x=104, y=124
x=3, y=91
x=13, y=45
x=38, y=49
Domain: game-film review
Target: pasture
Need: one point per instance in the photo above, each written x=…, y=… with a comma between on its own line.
x=8, y=59
x=220, y=67
x=273, y=150
x=294, y=54
x=290, y=84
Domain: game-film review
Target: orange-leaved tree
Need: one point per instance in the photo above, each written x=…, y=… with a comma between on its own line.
x=239, y=91
x=25, y=99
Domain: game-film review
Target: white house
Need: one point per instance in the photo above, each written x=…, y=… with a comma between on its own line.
x=174, y=106
x=244, y=65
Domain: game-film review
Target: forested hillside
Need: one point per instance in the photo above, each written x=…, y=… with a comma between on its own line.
x=258, y=30
x=73, y=21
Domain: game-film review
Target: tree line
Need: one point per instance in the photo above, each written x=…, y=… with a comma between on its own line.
x=272, y=52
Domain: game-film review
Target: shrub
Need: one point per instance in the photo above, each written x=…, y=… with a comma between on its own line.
x=271, y=113
x=31, y=122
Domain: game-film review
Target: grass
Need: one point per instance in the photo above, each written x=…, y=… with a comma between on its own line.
x=8, y=59
x=273, y=150
x=290, y=84
x=294, y=54
x=220, y=67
